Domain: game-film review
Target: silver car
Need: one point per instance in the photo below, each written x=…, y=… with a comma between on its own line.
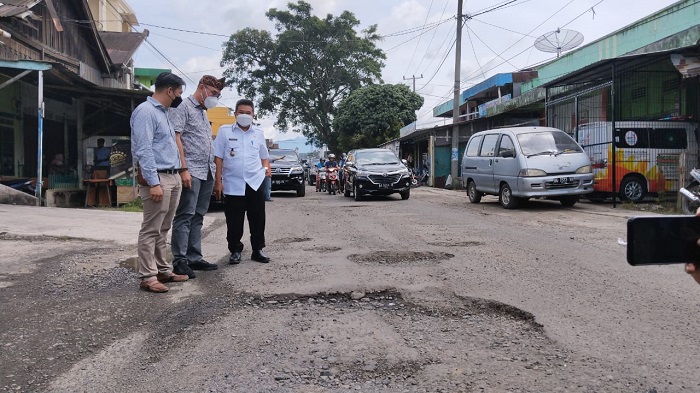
x=519, y=163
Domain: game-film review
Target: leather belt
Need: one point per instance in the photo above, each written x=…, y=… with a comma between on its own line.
x=168, y=171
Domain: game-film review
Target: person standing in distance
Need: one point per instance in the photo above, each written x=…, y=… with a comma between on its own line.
x=102, y=155
x=154, y=148
x=196, y=148
x=241, y=158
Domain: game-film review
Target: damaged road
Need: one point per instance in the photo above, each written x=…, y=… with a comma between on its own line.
x=431, y=294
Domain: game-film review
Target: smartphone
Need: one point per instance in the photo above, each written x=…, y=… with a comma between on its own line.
x=660, y=240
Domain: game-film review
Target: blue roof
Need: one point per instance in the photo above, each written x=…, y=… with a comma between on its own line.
x=494, y=81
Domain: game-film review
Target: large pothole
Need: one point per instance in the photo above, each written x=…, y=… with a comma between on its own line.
x=292, y=240
x=399, y=257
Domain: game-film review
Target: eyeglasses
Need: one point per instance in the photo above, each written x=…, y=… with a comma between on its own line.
x=214, y=92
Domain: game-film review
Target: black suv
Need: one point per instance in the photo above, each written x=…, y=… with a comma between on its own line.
x=287, y=171
x=375, y=172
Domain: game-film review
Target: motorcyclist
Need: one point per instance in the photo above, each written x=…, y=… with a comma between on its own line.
x=321, y=164
x=341, y=175
x=331, y=163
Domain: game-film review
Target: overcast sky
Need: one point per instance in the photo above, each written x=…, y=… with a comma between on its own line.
x=418, y=35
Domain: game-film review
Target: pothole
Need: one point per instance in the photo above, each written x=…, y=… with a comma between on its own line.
x=130, y=263
x=398, y=257
x=323, y=249
x=456, y=244
x=381, y=341
x=290, y=240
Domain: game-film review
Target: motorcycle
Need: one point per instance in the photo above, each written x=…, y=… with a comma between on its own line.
x=321, y=180
x=23, y=184
x=417, y=180
x=332, y=180
x=691, y=192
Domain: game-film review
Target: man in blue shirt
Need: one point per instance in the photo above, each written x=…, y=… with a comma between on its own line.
x=154, y=148
x=321, y=164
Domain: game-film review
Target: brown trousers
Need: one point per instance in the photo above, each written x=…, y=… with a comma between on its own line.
x=157, y=220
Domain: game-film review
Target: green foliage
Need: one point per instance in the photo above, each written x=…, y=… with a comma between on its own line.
x=134, y=206
x=374, y=114
x=303, y=72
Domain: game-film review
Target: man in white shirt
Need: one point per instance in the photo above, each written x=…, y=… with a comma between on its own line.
x=241, y=158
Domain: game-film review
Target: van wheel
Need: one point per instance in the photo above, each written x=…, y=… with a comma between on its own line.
x=472, y=193
x=633, y=188
x=506, y=198
x=568, y=200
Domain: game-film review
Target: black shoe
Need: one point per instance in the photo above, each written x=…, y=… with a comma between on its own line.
x=235, y=258
x=181, y=268
x=203, y=265
x=259, y=256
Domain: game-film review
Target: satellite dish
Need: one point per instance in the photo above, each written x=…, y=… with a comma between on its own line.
x=558, y=41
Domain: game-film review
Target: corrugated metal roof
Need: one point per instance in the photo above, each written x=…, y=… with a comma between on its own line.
x=16, y=7
x=122, y=46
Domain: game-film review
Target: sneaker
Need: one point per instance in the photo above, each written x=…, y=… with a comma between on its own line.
x=184, y=270
x=203, y=265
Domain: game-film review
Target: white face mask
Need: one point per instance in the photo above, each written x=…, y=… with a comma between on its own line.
x=244, y=120
x=211, y=102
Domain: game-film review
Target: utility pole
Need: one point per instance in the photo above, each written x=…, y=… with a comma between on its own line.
x=414, y=80
x=454, y=167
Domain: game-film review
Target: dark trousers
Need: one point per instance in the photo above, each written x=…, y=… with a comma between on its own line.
x=236, y=208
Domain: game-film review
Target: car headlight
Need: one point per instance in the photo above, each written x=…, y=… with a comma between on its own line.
x=584, y=169
x=531, y=172
x=404, y=172
x=297, y=170
x=362, y=174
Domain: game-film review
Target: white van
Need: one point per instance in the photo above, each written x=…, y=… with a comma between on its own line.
x=526, y=162
x=647, y=156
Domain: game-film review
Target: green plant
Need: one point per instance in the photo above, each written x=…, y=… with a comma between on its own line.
x=134, y=206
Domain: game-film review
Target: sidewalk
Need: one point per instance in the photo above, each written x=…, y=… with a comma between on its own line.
x=94, y=224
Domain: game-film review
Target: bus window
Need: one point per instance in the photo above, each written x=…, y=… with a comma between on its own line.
x=649, y=138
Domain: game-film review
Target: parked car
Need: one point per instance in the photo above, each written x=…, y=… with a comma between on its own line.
x=526, y=162
x=375, y=172
x=287, y=171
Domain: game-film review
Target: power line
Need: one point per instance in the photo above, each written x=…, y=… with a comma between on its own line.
x=444, y=41
x=427, y=15
x=433, y=36
x=512, y=45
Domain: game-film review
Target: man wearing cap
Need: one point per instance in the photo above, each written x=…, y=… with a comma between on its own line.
x=194, y=142
x=154, y=148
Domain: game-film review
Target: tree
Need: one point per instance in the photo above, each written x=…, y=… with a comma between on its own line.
x=374, y=114
x=303, y=72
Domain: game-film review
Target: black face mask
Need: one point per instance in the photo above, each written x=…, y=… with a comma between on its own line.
x=177, y=101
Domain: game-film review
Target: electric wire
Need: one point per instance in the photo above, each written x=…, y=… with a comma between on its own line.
x=433, y=36
x=427, y=15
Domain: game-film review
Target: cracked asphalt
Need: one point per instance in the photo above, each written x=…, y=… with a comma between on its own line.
x=431, y=294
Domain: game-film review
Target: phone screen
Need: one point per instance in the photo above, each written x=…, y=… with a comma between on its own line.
x=659, y=240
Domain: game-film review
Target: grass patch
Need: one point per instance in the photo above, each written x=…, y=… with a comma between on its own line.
x=134, y=206
x=662, y=204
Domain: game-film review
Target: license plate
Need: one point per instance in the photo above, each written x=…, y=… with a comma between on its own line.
x=563, y=180
x=384, y=185
x=278, y=182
